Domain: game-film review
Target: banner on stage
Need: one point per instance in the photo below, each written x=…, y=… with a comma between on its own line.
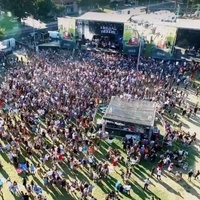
x=67, y=32
x=130, y=39
x=164, y=39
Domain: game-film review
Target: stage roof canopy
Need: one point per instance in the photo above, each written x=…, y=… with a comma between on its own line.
x=131, y=111
x=188, y=23
x=105, y=17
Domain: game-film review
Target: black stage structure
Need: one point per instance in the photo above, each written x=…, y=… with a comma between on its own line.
x=101, y=30
x=187, y=44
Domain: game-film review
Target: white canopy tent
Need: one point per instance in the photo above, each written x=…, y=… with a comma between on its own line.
x=2, y=46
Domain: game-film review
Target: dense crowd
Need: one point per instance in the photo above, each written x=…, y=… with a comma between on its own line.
x=53, y=97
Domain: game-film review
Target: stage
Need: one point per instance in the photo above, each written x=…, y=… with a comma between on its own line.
x=124, y=116
x=109, y=31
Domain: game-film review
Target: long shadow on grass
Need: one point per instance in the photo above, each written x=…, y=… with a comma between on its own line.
x=194, y=121
x=195, y=185
x=170, y=189
x=110, y=182
x=138, y=190
x=100, y=156
x=61, y=194
x=116, y=146
x=2, y=197
x=103, y=187
x=38, y=181
x=5, y=157
x=4, y=173
x=81, y=176
x=139, y=174
x=104, y=147
x=188, y=188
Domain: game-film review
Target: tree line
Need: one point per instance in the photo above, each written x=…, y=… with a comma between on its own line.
x=37, y=8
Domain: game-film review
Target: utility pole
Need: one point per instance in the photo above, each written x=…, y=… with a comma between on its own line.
x=34, y=42
x=139, y=54
x=198, y=10
x=149, y=2
x=186, y=12
x=192, y=5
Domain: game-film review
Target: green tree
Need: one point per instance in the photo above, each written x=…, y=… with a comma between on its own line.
x=58, y=9
x=2, y=33
x=44, y=7
x=85, y=3
x=89, y=3
x=7, y=22
x=20, y=8
x=102, y=2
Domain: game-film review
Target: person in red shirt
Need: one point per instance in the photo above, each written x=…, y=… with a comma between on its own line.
x=115, y=162
x=1, y=103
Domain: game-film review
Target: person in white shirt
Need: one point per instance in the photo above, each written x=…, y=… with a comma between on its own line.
x=159, y=173
x=167, y=160
x=146, y=183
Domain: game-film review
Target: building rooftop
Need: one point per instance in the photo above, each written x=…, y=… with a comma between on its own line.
x=105, y=17
x=131, y=111
x=163, y=19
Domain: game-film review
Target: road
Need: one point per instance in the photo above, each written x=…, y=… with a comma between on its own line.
x=162, y=6
x=152, y=7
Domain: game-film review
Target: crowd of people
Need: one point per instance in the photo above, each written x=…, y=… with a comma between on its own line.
x=48, y=104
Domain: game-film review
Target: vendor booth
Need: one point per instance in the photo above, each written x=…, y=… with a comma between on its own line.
x=125, y=117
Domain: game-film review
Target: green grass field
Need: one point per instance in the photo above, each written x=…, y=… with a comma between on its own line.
x=108, y=184
x=141, y=172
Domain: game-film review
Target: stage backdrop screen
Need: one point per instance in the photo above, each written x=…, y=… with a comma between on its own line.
x=188, y=43
x=91, y=30
x=130, y=38
x=188, y=38
x=163, y=39
x=66, y=28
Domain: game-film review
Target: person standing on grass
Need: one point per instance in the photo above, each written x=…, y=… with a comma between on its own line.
x=170, y=167
x=153, y=170
x=25, y=196
x=24, y=182
x=196, y=176
x=190, y=174
x=32, y=169
x=159, y=173
x=146, y=183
